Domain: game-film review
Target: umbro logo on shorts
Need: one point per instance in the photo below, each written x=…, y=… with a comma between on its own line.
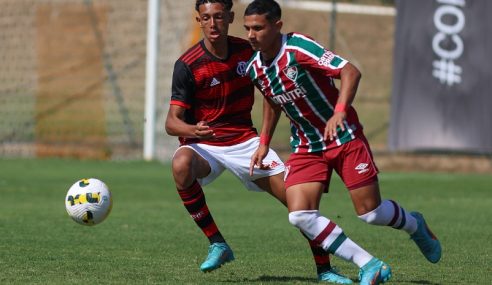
x=362, y=167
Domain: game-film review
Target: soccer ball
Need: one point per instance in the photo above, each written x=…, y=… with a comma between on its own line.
x=88, y=201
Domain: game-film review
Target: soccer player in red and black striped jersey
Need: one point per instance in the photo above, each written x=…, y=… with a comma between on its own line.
x=210, y=112
x=296, y=75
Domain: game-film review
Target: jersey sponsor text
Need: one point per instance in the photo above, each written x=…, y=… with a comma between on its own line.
x=290, y=96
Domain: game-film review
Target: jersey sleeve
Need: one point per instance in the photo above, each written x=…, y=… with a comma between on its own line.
x=183, y=85
x=313, y=56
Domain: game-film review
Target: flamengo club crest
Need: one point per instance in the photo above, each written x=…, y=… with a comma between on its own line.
x=241, y=68
x=291, y=72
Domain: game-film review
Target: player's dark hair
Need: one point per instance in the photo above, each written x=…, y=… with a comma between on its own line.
x=227, y=3
x=270, y=8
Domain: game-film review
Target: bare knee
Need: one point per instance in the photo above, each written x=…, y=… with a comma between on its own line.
x=182, y=167
x=366, y=198
x=188, y=166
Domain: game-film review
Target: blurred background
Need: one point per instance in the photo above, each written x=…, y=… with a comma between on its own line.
x=74, y=76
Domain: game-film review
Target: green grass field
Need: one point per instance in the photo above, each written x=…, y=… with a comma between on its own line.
x=150, y=239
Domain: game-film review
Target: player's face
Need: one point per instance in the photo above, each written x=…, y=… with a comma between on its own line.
x=262, y=34
x=214, y=20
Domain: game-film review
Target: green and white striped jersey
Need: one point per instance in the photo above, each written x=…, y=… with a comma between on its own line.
x=300, y=80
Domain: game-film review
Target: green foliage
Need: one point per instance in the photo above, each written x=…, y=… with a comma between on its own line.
x=150, y=239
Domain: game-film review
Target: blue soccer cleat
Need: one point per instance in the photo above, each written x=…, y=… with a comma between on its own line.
x=374, y=272
x=332, y=276
x=219, y=253
x=427, y=242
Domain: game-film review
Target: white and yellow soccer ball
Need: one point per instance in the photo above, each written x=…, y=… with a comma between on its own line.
x=88, y=201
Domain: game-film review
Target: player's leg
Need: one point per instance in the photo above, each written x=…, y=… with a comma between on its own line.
x=325, y=272
x=359, y=174
x=188, y=166
x=369, y=207
x=303, y=203
x=271, y=181
x=392, y=214
x=274, y=185
x=308, y=178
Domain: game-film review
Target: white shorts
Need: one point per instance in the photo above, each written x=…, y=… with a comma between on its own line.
x=236, y=159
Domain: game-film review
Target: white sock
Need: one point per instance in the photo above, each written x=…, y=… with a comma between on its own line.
x=329, y=235
x=352, y=252
x=389, y=213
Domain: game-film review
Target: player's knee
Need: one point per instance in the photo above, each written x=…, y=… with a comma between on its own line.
x=182, y=171
x=301, y=219
x=181, y=163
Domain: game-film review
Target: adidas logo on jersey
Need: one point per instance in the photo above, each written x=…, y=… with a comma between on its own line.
x=214, y=82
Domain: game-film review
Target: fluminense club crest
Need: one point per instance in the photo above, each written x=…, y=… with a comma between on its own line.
x=291, y=72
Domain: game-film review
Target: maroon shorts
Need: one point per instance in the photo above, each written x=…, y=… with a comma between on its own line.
x=352, y=161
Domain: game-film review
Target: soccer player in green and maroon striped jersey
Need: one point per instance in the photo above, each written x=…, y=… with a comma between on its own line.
x=210, y=112
x=296, y=75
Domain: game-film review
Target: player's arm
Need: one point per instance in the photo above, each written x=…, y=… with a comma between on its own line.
x=177, y=126
x=333, y=67
x=349, y=82
x=271, y=115
x=183, y=90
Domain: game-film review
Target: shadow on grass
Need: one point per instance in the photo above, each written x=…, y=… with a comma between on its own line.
x=422, y=282
x=267, y=278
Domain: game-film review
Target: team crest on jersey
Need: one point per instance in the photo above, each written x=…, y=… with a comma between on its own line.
x=291, y=72
x=241, y=68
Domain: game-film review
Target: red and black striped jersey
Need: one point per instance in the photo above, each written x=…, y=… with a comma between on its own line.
x=217, y=91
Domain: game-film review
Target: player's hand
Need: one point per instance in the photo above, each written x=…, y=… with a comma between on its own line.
x=331, y=126
x=257, y=159
x=203, y=131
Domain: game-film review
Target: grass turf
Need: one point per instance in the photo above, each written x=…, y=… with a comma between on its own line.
x=149, y=238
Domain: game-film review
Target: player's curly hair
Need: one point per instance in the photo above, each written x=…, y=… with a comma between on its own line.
x=270, y=8
x=227, y=3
